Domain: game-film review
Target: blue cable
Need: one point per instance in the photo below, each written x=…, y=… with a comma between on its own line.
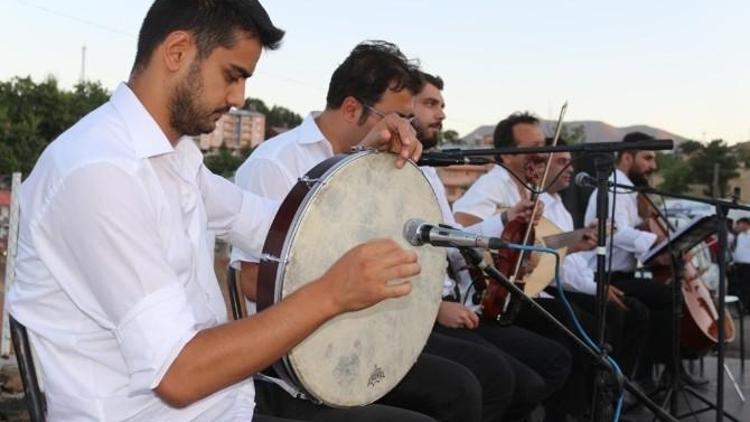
x=569, y=308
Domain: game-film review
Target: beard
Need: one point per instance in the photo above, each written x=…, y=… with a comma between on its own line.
x=423, y=134
x=639, y=179
x=186, y=114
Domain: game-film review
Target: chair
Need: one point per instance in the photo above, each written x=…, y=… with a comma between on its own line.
x=236, y=299
x=34, y=395
x=734, y=300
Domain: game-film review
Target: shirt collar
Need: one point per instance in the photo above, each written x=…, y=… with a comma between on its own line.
x=309, y=132
x=147, y=137
x=622, y=178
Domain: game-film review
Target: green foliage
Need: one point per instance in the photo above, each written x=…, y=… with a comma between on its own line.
x=703, y=161
x=573, y=134
x=449, y=136
x=276, y=116
x=675, y=171
x=224, y=162
x=689, y=147
x=33, y=114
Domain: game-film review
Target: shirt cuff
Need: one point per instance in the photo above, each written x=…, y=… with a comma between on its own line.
x=643, y=242
x=152, y=334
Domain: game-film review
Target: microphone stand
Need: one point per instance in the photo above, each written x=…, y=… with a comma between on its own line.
x=477, y=260
x=721, y=208
x=469, y=156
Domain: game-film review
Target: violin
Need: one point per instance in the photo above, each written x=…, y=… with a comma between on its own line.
x=497, y=302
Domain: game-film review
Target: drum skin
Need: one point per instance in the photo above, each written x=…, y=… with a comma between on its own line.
x=357, y=357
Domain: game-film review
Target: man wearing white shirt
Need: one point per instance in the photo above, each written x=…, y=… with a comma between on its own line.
x=741, y=257
x=374, y=82
x=114, y=279
x=629, y=243
x=627, y=318
x=458, y=321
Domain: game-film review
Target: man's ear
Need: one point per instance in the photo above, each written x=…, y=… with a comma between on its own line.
x=177, y=50
x=351, y=109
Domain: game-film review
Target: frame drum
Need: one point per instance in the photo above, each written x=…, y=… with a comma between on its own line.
x=356, y=357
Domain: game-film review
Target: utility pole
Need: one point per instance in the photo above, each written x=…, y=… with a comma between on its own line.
x=715, y=187
x=83, y=65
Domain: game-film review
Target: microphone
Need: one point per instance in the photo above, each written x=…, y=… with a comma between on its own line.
x=417, y=232
x=585, y=180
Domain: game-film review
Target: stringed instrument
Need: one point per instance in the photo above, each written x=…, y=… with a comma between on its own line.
x=699, y=328
x=497, y=302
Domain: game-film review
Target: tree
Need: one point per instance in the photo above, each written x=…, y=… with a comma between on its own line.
x=675, y=171
x=689, y=147
x=572, y=134
x=276, y=116
x=32, y=115
x=224, y=162
x=449, y=136
x=703, y=161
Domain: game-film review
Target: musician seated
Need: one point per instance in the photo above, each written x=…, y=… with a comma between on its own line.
x=374, y=84
x=627, y=318
x=459, y=323
x=505, y=186
x=630, y=242
x=114, y=279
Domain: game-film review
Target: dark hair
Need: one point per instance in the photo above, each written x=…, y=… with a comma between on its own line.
x=503, y=136
x=213, y=23
x=745, y=220
x=433, y=80
x=633, y=137
x=372, y=68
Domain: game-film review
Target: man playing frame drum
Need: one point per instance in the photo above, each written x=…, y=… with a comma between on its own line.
x=114, y=278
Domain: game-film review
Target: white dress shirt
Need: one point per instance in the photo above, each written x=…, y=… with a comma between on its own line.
x=742, y=248
x=114, y=275
x=495, y=189
x=629, y=243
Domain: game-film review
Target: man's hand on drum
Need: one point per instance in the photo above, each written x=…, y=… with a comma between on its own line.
x=456, y=315
x=522, y=211
x=369, y=273
x=395, y=134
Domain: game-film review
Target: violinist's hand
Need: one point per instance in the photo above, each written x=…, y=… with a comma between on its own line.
x=456, y=315
x=532, y=261
x=616, y=296
x=522, y=211
x=395, y=134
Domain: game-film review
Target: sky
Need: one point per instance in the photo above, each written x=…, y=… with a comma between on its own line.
x=679, y=65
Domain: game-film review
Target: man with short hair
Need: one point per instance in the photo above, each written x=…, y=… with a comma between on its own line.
x=114, y=279
x=375, y=82
x=457, y=321
x=741, y=256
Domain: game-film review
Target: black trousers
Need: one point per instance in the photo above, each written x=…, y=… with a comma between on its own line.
x=740, y=283
x=573, y=397
x=510, y=389
x=658, y=298
x=434, y=386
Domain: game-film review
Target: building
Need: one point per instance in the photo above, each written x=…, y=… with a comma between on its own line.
x=457, y=179
x=235, y=130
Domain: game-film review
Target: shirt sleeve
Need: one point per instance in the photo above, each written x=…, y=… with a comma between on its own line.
x=260, y=176
x=626, y=236
x=577, y=275
x=100, y=234
x=477, y=201
x=242, y=217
